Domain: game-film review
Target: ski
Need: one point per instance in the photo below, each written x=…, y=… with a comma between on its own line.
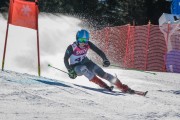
x=140, y=93
x=130, y=91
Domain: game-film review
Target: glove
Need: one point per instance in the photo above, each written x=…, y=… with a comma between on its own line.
x=72, y=74
x=106, y=63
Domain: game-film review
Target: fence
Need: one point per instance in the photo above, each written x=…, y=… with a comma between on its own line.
x=133, y=47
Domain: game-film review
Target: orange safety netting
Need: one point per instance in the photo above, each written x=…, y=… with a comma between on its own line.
x=133, y=47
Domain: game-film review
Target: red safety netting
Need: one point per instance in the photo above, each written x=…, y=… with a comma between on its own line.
x=156, y=50
x=134, y=47
x=112, y=40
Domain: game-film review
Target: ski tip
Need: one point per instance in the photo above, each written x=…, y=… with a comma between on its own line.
x=49, y=65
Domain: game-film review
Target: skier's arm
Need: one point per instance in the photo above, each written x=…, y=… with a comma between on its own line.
x=68, y=53
x=97, y=50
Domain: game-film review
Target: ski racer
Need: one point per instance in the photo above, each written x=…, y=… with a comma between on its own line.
x=77, y=63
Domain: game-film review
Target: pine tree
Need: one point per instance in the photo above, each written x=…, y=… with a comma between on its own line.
x=119, y=12
x=105, y=12
x=52, y=6
x=4, y=5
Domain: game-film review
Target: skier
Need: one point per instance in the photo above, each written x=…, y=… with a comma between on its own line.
x=80, y=64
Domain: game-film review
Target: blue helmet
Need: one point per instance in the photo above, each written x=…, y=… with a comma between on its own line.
x=82, y=36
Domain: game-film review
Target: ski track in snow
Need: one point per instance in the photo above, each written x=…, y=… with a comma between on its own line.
x=29, y=97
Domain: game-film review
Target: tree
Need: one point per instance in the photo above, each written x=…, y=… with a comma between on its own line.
x=105, y=12
x=119, y=12
x=4, y=6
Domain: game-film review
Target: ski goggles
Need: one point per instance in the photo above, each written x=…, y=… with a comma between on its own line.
x=82, y=40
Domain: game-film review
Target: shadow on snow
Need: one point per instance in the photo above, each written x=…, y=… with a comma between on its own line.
x=104, y=91
x=52, y=83
x=115, y=93
x=176, y=92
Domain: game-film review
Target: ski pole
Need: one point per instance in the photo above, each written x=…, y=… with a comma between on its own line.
x=58, y=69
x=135, y=70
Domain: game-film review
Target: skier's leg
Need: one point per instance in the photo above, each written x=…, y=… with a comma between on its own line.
x=101, y=73
x=112, y=79
x=99, y=82
x=83, y=70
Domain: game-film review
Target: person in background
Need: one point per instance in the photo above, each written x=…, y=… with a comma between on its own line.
x=77, y=63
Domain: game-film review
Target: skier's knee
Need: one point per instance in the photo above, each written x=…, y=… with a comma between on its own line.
x=101, y=73
x=84, y=70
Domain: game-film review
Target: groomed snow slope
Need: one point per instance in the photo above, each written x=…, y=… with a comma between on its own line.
x=28, y=97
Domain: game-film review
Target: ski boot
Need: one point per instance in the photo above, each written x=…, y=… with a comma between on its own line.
x=124, y=88
x=130, y=91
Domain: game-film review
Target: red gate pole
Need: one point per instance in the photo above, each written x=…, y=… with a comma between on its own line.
x=127, y=49
x=7, y=31
x=107, y=39
x=38, y=51
x=147, y=44
x=5, y=44
x=133, y=48
x=166, y=39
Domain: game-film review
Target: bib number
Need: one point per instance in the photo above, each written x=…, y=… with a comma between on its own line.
x=79, y=59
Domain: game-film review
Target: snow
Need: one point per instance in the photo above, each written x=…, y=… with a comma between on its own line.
x=54, y=96
x=24, y=96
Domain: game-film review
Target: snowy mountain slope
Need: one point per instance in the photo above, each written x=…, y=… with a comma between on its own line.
x=29, y=97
